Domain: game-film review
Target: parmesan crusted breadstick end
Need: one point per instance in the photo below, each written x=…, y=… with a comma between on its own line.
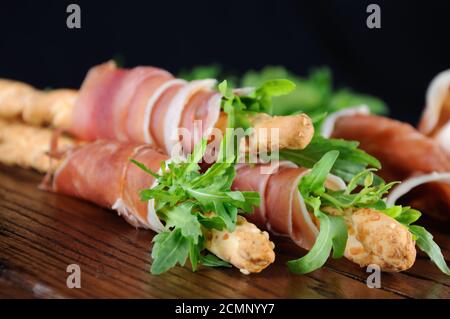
x=247, y=248
x=20, y=100
x=375, y=238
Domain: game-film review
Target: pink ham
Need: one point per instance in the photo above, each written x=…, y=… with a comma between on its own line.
x=175, y=109
x=282, y=209
x=109, y=97
x=203, y=108
x=404, y=153
x=159, y=112
x=96, y=90
x=143, y=105
x=137, y=127
x=102, y=173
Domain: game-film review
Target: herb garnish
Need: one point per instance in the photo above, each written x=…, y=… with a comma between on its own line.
x=190, y=203
x=333, y=232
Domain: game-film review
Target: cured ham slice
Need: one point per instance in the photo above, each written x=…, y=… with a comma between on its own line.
x=143, y=105
x=102, y=173
x=435, y=120
x=109, y=96
x=200, y=114
x=402, y=149
x=282, y=209
x=404, y=153
x=330, y=122
x=175, y=109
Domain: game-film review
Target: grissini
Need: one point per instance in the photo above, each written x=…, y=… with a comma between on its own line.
x=140, y=105
x=84, y=171
x=282, y=209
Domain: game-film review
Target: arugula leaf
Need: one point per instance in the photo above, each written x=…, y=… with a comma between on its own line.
x=426, y=244
x=315, y=180
x=144, y=168
x=313, y=94
x=345, y=98
x=239, y=106
x=351, y=160
x=201, y=72
x=181, y=217
x=194, y=256
x=404, y=215
x=276, y=87
x=189, y=203
x=333, y=234
x=408, y=216
x=169, y=249
x=333, y=230
x=211, y=260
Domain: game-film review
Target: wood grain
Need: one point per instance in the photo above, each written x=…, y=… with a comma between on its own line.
x=42, y=233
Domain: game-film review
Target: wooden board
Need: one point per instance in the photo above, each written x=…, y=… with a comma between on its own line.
x=42, y=233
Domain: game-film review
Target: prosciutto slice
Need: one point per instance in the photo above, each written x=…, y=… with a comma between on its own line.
x=143, y=105
x=435, y=120
x=404, y=153
x=102, y=173
x=282, y=209
x=103, y=103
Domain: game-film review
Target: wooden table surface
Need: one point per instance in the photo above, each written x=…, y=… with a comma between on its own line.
x=42, y=233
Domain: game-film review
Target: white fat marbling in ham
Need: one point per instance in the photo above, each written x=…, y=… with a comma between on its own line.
x=112, y=102
x=436, y=94
x=443, y=137
x=175, y=109
x=407, y=185
x=151, y=103
x=330, y=122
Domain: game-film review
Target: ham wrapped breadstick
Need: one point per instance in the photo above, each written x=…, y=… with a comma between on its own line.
x=282, y=209
x=373, y=237
x=140, y=105
x=85, y=171
x=406, y=155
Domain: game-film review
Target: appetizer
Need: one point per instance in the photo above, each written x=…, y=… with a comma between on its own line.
x=198, y=210
x=322, y=193
x=319, y=212
x=144, y=105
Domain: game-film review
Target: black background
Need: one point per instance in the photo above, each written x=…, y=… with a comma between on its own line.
x=395, y=62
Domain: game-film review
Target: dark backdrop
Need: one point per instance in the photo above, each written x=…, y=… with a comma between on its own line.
x=395, y=63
